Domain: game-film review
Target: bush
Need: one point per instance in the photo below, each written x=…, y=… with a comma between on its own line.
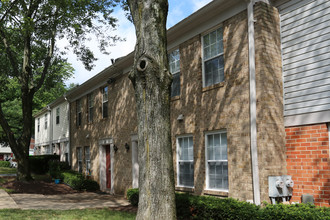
x=77, y=181
x=208, y=207
x=56, y=168
x=90, y=185
x=133, y=196
x=4, y=164
x=39, y=164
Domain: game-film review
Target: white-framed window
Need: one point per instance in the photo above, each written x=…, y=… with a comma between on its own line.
x=213, y=62
x=79, y=159
x=105, y=102
x=57, y=115
x=46, y=121
x=38, y=125
x=88, y=161
x=185, y=161
x=174, y=64
x=216, y=160
x=90, y=102
x=78, y=113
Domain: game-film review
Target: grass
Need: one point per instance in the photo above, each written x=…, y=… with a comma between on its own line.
x=65, y=214
x=7, y=170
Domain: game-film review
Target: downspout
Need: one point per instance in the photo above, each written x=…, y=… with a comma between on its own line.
x=50, y=142
x=69, y=141
x=253, y=105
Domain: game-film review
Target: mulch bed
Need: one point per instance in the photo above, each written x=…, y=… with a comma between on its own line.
x=50, y=188
x=37, y=187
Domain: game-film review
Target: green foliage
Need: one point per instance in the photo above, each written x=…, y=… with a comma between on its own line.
x=4, y=164
x=56, y=167
x=208, y=207
x=40, y=164
x=133, y=196
x=78, y=182
x=90, y=185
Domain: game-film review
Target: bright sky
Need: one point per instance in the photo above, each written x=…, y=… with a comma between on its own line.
x=178, y=10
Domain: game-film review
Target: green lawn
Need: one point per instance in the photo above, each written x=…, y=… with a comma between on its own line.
x=66, y=214
x=7, y=170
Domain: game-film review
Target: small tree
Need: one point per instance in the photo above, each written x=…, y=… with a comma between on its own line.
x=29, y=30
x=152, y=81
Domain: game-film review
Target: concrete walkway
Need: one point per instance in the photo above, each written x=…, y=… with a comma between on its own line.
x=60, y=202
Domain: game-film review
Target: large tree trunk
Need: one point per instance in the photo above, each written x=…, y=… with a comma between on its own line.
x=152, y=80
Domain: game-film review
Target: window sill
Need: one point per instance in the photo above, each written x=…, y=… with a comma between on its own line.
x=174, y=98
x=184, y=189
x=216, y=193
x=215, y=86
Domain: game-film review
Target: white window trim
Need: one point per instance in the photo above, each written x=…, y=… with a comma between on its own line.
x=38, y=126
x=206, y=161
x=88, y=160
x=202, y=50
x=79, y=111
x=46, y=121
x=58, y=114
x=80, y=152
x=105, y=101
x=90, y=99
x=177, y=161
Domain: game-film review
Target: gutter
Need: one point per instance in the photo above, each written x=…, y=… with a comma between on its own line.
x=253, y=105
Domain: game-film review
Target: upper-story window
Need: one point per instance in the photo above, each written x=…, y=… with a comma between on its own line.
x=185, y=161
x=46, y=121
x=38, y=124
x=105, y=102
x=79, y=114
x=174, y=64
x=213, y=62
x=58, y=115
x=216, y=161
x=90, y=102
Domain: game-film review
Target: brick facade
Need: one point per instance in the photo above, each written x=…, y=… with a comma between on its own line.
x=308, y=162
x=220, y=107
x=119, y=126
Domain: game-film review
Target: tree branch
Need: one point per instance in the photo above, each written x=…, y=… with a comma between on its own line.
x=50, y=54
x=5, y=126
x=9, y=52
x=7, y=11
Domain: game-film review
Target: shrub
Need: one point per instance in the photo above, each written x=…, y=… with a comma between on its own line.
x=4, y=164
x=208, y=207
x=39, y=164
x=78, y=182
x=90, y=185
x=133, y=196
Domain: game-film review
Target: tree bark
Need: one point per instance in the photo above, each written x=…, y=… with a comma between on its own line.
x=152, y=81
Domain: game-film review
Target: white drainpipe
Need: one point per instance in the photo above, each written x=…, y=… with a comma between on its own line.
x=253, y=105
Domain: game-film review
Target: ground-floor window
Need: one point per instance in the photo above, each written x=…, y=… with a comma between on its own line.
x=216, y=160
x=88, y=161
x=185, y=161
x=79, y=158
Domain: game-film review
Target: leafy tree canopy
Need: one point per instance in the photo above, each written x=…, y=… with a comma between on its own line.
x=30, y=59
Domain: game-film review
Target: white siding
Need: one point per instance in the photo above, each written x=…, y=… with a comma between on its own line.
x=42, y=137
x=305, y=34
x=61, y=130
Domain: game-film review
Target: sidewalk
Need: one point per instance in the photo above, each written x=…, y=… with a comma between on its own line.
x=6, y=202
x=60, y=202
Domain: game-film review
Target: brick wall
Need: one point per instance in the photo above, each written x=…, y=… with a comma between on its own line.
x=269, y=87
x=308, y=162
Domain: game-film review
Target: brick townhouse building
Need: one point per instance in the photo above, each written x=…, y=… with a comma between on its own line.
x=250, y=99
x=210, y=108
